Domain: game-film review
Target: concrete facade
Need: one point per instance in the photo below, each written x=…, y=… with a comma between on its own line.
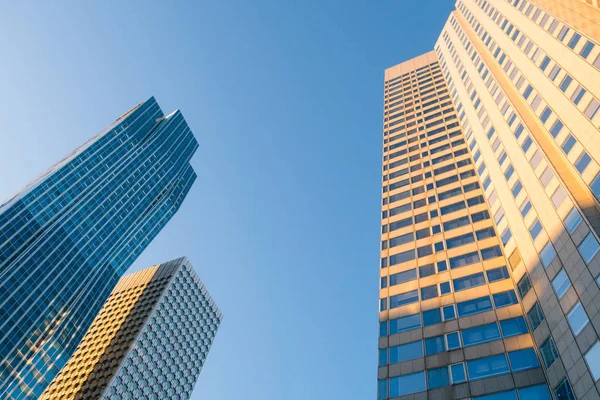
x=524, y=82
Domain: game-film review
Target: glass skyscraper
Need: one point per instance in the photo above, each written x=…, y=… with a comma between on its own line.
x=67, y=237
x=150, y=340
x=490, y=265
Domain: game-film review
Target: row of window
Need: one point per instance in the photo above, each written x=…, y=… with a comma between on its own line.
x=438, y=96
x=423, y=92
x=515, y=361
x=453, y=340
x=408, y=75
x=463, y=309
x=400, y=107
x=439, y=289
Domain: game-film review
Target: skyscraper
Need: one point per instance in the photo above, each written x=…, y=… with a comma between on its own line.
x=68, y=236
x=150, y=339
x=512, y=312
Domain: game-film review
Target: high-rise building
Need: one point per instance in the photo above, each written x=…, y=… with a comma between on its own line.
x=490, y=271
x=150, y=339
x=67, y=238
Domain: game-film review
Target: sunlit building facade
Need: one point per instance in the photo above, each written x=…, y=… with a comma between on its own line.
x=149, y=340
x=523, y=81
x=67, y=237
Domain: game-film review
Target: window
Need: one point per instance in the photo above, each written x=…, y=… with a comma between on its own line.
x=382, y=389
x=432, y=317
x=404, y=352
x=564, y=85
x=407, y=384
x=491, y=252
x=587, y=49
x=453, y=207
x=556, y=128
x=589, y=248
x=547, y=254
x=545, y=63
x=568, y=144
x=487, y=367
x=595, y=185
x=442, y=266
x=382, y=357
x=438, y=377
x=402, y=299
x=572, y=220
x=524, y=285
x=577, y=318
x=548, y=352
x=480, y=216
x=474, y=306
x=526, y=144
x=554, y=72
x=513, y=327
x=405, y=323
x=445, y=288
x=480, y=334
x=535, y=229
x=592, y=108
x=516, y=189
x=521, y=360
x=561, y=283
x=558, y=197
x=448, y=313
x=525, y=207
x=453, y=341
x=574, y=40
x=402, y=277
x=510, y=395
x=402, y=257
x=539, y=392
x=582, y=162
x=504, y=299
x=577, y=95
x=459, y=241
x=509, y=171
x=429, y=292
x=464, y=260
x=435, y=345
x=546, y=177
x=382, y=304
x=383, y=329
x=535, y=316
x=397, y=241
x=497, y=274
x=593, y=359
x=468, y=282
x=506, y=235
x=456, y=223
x=426, y=270
x=457, y=373
x=563, y=391
x=546, y=114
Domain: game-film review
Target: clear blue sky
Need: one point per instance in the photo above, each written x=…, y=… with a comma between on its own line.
x=286, y=102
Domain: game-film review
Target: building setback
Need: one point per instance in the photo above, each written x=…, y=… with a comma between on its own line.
x=491, y=184
x=68, y=236
x=150, y=340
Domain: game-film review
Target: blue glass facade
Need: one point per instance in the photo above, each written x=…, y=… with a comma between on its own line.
x=67, y=237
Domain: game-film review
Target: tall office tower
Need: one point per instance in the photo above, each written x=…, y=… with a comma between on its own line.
x=66, y=238
x=150, y=339
x=524, y=78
